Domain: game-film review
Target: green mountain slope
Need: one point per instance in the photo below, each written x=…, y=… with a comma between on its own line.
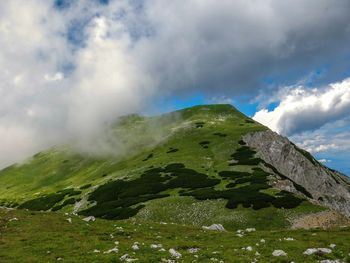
x=189, y=167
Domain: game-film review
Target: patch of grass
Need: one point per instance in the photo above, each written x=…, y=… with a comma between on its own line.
x=148, y=157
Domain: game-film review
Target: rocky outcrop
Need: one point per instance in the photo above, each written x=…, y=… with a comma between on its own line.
x=327, y=187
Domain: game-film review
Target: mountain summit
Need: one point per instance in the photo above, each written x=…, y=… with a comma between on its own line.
x=201, y=165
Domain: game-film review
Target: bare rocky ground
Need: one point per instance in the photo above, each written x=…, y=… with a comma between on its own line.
x=324, y=219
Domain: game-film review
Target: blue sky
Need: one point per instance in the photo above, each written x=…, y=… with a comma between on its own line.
x=74, y=66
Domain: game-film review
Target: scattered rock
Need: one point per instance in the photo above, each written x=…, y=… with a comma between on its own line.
x=127, y=258
x=288, y=239
x=311, y=251
x=96, y=251
x=89, y=219
x=114, y=250
x=252, y=229
x=174, y=253
x=13, y=219
x=262, y=241
x=215, y=227
x=135, y=246
x=249, y=248
x=279, y=253
x=193, y=250
x=156, y=246
x=330, y=261
x=332, y=245
x=69, y=220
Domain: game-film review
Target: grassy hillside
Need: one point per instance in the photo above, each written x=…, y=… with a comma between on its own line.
x=187, y=167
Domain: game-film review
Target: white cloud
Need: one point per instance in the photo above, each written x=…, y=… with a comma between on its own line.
x=324, y=161
x=301, y=109
x=55, y=77
x=103, y=61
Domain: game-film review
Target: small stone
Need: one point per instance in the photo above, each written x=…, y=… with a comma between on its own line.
x=69, y=220
x=279, y=253
x=249, y=248
x=214, y=227
x=127, y=258
x=135, y=246
x=311, y=251
x=89, y=219
x=193, y=250
x=174, y=253
x=156, y=246
x=114, y=250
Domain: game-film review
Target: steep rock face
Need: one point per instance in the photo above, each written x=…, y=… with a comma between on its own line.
x=327, y=187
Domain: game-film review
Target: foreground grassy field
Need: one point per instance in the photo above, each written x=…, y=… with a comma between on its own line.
x=27, y=236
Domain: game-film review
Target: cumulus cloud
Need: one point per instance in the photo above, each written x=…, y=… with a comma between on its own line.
x=68, y=70
x=301, y=109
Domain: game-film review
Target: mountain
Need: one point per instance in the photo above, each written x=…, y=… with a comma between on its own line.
x=198, y=166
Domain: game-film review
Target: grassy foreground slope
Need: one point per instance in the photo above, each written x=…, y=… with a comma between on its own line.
x=50, y=237
x=190, y=161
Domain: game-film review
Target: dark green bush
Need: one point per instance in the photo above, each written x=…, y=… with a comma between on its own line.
x=199, y=124
x=172, y=150
x=302, y=190
x=220, y=134
x=43, y=203
x=85, y=186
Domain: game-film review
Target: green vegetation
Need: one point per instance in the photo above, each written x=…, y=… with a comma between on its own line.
x=114, y=199
x=193, y=154
x=48, y=237
x=43, y=203
x=188, y=168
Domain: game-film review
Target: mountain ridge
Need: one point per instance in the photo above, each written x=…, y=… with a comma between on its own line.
x=203, y=156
